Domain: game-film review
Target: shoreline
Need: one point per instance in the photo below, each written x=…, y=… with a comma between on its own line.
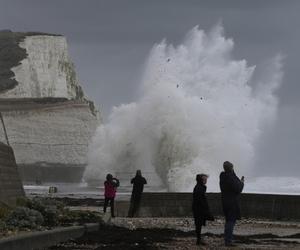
x=178, y=233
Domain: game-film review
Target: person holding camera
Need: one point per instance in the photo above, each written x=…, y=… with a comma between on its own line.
x=231, y=187
x=110, y=189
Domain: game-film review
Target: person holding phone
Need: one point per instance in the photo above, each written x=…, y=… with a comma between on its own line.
x=231, y=187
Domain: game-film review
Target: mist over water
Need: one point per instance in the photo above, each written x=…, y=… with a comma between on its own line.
x=197, y=107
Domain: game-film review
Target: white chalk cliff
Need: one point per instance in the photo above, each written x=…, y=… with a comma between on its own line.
x=49, y=120
x=46, y=71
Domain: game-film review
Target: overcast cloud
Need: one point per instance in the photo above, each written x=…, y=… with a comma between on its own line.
x=110, y=40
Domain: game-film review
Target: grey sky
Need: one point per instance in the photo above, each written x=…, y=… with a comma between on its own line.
x=110, y=40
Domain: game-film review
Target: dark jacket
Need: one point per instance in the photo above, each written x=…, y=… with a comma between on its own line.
x=231, y=187
x=200, y=206
x=138, y=185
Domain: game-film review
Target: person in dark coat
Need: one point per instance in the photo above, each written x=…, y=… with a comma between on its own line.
x=200, y=206
x=138, y=186
x=231, y=187
x=110, y=189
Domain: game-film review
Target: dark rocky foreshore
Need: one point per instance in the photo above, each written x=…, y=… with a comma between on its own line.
x=142, y=233
x=177, y=233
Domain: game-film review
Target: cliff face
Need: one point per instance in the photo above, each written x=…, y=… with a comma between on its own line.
x=49, y=120
x=46, y=71
x=55, y=133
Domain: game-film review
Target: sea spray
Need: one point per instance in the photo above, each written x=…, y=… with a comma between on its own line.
x=197, y=107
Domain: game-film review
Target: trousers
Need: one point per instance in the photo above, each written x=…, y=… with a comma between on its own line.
x=228, y=231
x=112, y=205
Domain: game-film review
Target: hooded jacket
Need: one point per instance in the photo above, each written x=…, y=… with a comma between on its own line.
x=200, y=206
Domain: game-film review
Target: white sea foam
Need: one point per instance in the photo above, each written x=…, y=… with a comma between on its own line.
x=197, y=108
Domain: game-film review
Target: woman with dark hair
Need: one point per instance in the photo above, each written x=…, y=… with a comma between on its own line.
x=110, y=189
x=201, y=209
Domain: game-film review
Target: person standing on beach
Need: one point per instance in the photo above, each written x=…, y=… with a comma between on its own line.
x=138, y=186
x=110, y=189
x=231, y=187
x=200, y=206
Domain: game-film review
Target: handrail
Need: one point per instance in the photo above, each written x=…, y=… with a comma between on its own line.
x=4, y=128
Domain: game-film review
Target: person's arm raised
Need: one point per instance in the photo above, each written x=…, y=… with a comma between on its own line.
x=117, y=182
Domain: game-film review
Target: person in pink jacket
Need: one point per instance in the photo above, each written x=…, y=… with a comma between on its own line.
x=110, y=189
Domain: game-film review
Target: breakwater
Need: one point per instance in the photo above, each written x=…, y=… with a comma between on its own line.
x=264, y=206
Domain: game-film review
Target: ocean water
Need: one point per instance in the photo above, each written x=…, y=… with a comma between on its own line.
x=273, y=185
x=260, y=185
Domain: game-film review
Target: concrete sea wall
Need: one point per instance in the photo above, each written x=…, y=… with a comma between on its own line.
x=41, y=240
x=10, y=184
x=264, y=206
